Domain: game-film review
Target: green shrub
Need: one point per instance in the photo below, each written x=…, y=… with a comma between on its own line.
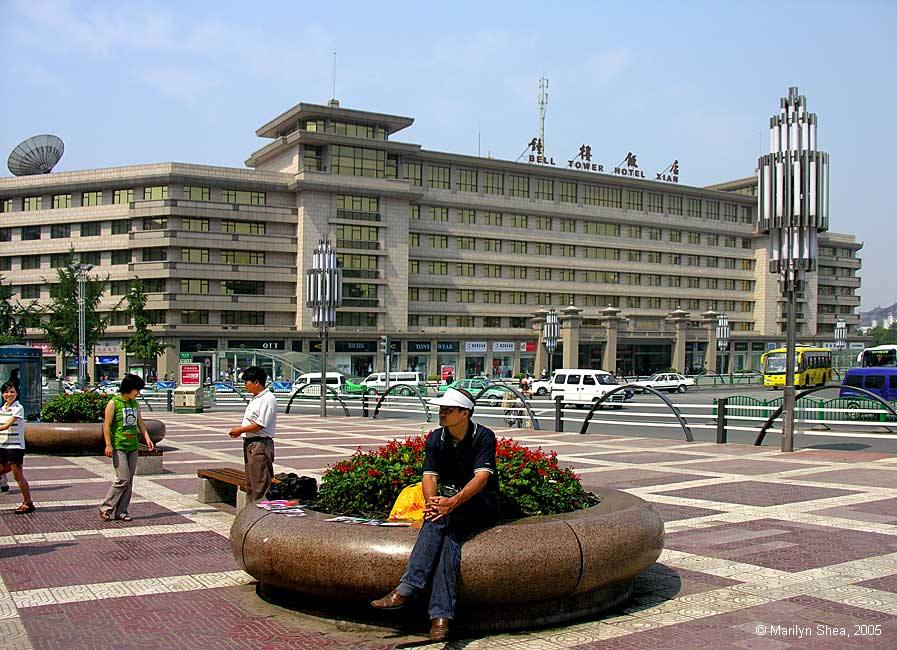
x=77, y=407
x=530, y=481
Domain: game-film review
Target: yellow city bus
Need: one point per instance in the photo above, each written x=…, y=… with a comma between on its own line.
x=813, y=367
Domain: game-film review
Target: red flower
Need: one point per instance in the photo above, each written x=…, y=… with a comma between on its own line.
x=374, y=473
x=408, y=471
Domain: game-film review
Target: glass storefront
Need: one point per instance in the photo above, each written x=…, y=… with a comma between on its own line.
x=473, y=366
x=419, y=357
x=447, y=358
x=502, y=365
x=355, y=358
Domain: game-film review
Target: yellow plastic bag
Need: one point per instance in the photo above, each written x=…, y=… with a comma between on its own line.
x=410, y=504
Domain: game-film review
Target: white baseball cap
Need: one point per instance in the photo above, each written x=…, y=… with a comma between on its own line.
x=453, y=397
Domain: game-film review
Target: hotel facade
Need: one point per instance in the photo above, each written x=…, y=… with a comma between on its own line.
x=455, y=257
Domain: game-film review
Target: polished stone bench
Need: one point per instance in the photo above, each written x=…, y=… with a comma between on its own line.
x=521, y=574
x=76, y=438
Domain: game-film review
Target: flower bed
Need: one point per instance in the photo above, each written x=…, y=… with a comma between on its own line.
x=530, y=481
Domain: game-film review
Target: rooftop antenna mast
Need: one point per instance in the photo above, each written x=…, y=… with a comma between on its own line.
x=543, y=106
x=333, y=100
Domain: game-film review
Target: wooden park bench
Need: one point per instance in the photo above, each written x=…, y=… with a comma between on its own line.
x=223, y=485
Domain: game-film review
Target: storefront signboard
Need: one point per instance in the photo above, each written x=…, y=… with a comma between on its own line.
x=502, y=346
x=419, y=346
x=254, y=345
x=475, y=346
x=447, y=346
x=527, y=346
x=355, y=346
x=190, y=374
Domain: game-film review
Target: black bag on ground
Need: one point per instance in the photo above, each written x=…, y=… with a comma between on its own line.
x=293, y=486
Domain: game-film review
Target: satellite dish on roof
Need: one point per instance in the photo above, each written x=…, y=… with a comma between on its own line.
x=36, y=155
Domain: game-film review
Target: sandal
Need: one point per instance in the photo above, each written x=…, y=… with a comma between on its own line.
x=24, y=509
x=104, y=516
x=125, y=517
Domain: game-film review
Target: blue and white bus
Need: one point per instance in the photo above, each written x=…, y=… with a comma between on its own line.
x=881, y=356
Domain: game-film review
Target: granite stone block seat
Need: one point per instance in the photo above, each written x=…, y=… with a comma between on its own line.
x=78, y=438
x=529, y=572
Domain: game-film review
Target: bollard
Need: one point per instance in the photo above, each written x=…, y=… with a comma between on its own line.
x=558, y=414
x=169, y=400
x=721, y=433
x=364, y=404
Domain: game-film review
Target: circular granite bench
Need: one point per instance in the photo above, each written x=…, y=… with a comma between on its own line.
x=524, y=573
x=84, y=438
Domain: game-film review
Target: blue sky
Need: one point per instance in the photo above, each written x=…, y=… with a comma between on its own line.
x=139, y=82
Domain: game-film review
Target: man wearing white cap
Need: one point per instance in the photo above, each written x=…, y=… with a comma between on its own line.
x=461, y=490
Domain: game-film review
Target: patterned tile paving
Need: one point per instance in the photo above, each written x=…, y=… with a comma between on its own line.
x=754, y=538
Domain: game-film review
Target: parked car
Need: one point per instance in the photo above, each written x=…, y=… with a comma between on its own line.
x=541, y=387
x=492, y=397
x=108, y=387
x=668, y=381
x=310, y=383
x=581, y=386
x=414, y=382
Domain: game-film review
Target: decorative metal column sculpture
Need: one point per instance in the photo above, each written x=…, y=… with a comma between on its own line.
x=792, y=207
x=841, y=339
x=722, y=336
x=81, y=270
x=324, y=293
x=550, y=335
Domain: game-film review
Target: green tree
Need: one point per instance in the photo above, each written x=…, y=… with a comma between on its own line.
x=13, y=318
x=883, y=336
x=142, y=344
x=60, y=315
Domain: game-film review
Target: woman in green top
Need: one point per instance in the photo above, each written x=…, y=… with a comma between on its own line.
x=121, y=425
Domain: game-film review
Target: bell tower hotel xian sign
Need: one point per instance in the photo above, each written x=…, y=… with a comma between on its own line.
x=582, y=161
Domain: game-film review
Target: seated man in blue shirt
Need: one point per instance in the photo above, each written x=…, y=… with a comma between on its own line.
x=461, y=491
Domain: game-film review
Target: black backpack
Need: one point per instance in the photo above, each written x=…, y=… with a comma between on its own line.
x=292, y=486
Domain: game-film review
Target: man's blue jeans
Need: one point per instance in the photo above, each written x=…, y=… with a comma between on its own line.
x=437, y=553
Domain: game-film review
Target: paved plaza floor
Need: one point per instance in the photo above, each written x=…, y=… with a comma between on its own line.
x=763, y=549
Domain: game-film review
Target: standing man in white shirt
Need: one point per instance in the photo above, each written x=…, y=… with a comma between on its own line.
x=257, y=430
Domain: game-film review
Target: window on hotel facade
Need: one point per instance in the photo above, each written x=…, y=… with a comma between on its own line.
x=713, y=283
x=652, y=303
x=413, y=266
x=357, y=161
x=437, y=320
x=244, y=317
x=729, y=212
x=438, y=214
x=437, y=268
x=493, y=219
x=633, y=302
x=633, y=256
x=607, y=197
x=122, y=197
x=653, y=257
x=352, y=130
x=121, y=227
x=194, y=286
x=438, y=241
x=517, y=298
x=568, y=225
x=674, y=281
x=466, y=269
x=712, y=240
x=517, y=272
x=634, y=232
x=193, y=193
x=312, y=158
x=413, y=172
x=413, y=294
x=567, y=250
x=194, y=254
x=5, y=234
x=155, y=223
x=194, y=317
x=364, y=237
x=545, y=189
x=438, y=295
x=693, y=207
x=30, y=291
x=491, y=321
x=119, y=287
x=632, y=278
x=467, y=243
x=195, y=224
x=62, y=201
x=493, y=183
x=465, y=295
x=633, y=200
x=155, y=193
x=58, y=260
x=241, y=197
x=543, y=223
x=543, y=274
x=120, y=257
x=654, y=234
x=30, y=262
x=518, y=247
x=155, y=254
x=713, y=210
x=747, y=265
x=675, y=205
x=91, y=198
x=676, y=236
x=675, y=258
x=655, y=202
x=519, y=221
x=60, y=231
x=693, y=260
x=543, y=248
x=90, y=229
x=567, y=192
x=492, y=270
x=464, y=321
x=602, y=253
x=467, y=216
x=359, y=319
x=712, y=261
x=603, y=229
x=694, y=238
x=438, y=178
x=414, y=239
x=492, y=245
x=693, y=283
x=243, y=287
x=518, y=186
x=747, y=214
x=32, y=203
x=6, y=205
x=467, y=180
x=30, y=233
x=567, y=275
x=392, y=167
x=492, y=297
x=729, y=242
x=414, y=212
x=243, y=257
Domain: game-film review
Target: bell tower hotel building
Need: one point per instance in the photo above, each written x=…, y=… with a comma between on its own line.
x=456, y=257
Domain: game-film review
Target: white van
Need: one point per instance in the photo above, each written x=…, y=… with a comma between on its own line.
x=310, y=383
x=580, y=386
x=414, y=380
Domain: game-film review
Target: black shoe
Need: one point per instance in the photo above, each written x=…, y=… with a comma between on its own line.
x=4, y=488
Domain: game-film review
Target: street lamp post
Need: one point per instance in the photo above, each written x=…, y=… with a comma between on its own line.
x=841, y=338
x=792, y=207
x=551, y=332
x=722, y=335
x=81, y=270
x=324, y=293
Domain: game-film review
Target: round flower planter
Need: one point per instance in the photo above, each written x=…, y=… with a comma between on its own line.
x=84, y=438
x=529, y=572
